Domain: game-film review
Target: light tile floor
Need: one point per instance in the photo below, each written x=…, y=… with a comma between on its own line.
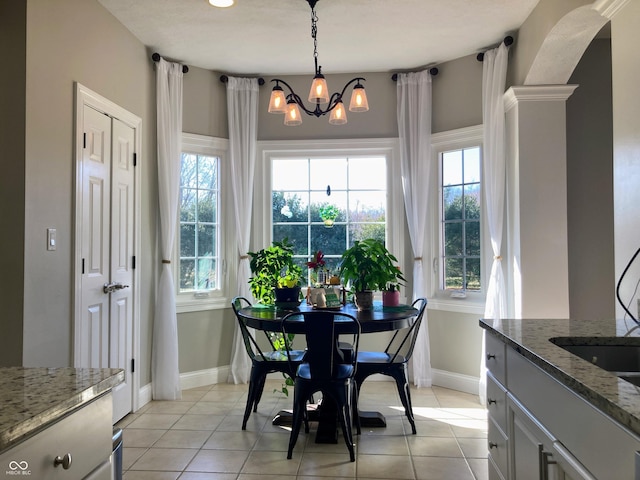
x=200, y=437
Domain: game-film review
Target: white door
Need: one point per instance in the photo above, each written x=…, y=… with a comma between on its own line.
x=107, y=251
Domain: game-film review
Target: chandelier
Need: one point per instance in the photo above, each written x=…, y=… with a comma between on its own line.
x=291, y=103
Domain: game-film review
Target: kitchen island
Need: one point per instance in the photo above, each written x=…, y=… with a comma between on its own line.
x=554, y=413
x=56, y=419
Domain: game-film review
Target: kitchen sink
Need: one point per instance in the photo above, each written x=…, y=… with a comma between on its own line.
x=618, y=355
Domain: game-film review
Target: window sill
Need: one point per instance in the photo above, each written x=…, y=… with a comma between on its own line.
x=192, y=304
x=463, y=305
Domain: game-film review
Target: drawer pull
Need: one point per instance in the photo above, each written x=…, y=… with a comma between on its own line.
x=492, y=445
x=490, y=356
x=65, y=461
x=491, y=400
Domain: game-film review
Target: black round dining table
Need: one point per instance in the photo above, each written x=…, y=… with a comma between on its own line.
x=378, y=319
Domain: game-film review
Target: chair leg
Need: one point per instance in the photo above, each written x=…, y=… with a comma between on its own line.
x=405, y=396
x=345, y=423
x=250, y=403
x=258, y=395
x=299, y=406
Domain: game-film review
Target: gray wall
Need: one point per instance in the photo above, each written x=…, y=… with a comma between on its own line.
x=590, y=186
x=76, y=41
x=12, y=206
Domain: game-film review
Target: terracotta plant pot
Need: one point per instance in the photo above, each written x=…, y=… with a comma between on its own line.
x=390, y=298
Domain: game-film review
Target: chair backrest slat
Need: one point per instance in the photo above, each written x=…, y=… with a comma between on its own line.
x=411, y=334
x=322, y=329
x=250, y=343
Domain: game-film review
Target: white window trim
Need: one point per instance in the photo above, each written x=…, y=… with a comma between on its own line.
x=219, y=298
x=474, y=302
x=389, y=147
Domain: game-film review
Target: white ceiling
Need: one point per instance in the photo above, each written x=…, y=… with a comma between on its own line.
x=263, y=37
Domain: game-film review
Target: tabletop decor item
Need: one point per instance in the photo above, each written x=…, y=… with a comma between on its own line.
x=276, y=277
x=368, y=266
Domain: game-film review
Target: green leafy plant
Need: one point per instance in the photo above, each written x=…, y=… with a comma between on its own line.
x=273, y=267
x=368, y=265
x=328, y=213
x=280, y=342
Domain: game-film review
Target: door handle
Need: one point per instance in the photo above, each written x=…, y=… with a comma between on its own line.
x=112, y=287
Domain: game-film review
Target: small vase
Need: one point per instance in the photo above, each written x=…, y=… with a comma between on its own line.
x=390, y=298
x=328, y=223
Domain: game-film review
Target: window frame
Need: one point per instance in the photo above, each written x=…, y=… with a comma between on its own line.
x=473, y=301
x=217, y=298
x=388, y=147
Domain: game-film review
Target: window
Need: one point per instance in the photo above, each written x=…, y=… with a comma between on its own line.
x=458, y=242
x=199, y=209
x=460, y=219
x=326, y=204
x=362, y=178
x=201, y=280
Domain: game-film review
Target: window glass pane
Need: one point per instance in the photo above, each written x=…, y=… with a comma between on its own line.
x=296, y=235
x=361, y=231
x=472, y=201
x=206, y=240
x=290, y=174
x=452, y=203
x=206, y=206
x=325, y=172
x=473, y=274
x=360, y=174
x=187, y=240
x=206, y=172
x=289, y=207
x=472, y=165
x=472, y=238
x=367, y=206
x=332, y=241
x=188, y=204
x=453, y=239
x=452, y=168
x=206, y=274
x=453, y=273
x=187, y=274
x=189, y=171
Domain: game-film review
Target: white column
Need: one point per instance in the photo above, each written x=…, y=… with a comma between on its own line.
x=538, y=277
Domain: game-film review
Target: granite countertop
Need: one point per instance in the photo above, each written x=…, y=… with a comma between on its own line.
x=33, y=398
x=530, y=337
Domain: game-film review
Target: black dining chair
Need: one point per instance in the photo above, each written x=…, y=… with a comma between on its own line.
x=324, y=368
x=393, y=361
x=262, y=362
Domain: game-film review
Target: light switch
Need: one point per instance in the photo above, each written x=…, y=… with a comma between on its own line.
x=51, y=238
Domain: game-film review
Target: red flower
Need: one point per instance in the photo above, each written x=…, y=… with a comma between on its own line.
x=317, y=261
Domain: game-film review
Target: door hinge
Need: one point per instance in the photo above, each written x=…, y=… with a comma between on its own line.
x=83, y=266
x=133, y=262
x=84, y=140
x=135, y=159
x=133, y=365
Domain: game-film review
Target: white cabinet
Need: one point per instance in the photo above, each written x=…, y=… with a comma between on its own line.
x=539, y=429
x=77, y=446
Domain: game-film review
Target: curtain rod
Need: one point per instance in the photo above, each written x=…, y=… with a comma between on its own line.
x=225, y=79
x=433, y=71
x=156, y=58
x=508, y=40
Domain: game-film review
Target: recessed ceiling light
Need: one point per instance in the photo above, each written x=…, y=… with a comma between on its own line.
x=221, y=3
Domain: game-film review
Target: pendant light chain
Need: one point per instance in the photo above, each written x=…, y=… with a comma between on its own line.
x=314, y=33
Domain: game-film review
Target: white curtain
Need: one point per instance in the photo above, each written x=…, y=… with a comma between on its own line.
x=164, y=352
x=242, y=107
x=494, y=74
x=414, y=130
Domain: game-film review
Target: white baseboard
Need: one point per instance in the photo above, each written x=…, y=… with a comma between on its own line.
x=455, y=381
x=211, y=376
x=198, y=378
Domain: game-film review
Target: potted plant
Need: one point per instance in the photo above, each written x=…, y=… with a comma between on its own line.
x=328, y=214
x=276, y=277
x=368, y=266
